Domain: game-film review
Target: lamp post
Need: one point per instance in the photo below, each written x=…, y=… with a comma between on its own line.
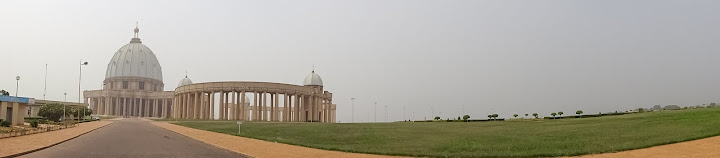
x=79, y=83
x=64, y=107
x=375, y=111
x=353, y=109
x=17, y=87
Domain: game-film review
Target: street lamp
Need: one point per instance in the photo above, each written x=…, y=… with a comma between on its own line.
x=353, y=109
x=64, y=106
x=17, y=87
x=79, y=83
x=375, y=111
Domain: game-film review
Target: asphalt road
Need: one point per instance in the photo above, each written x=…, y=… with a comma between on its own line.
x=132, y=138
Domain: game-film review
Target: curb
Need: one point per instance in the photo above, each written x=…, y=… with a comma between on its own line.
x=221, y=147
x=51, y=145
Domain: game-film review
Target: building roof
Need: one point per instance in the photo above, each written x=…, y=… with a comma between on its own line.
x=134, y=60
x=313, y=79
x=185, y=81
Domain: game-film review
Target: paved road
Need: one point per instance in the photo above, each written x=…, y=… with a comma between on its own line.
x=132, y=138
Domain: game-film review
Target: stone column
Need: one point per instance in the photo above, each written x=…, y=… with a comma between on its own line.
x=258, y=107
x=220, y=105
x=255, y=108
x=264, y=107
x=212, y=106
x=272, y=107
x=242, y=106
x=16, y=119
x=189, y=105
x=232, y=112
x=202, y=105
x=225, y=105
x=173, y=112
x=196, y=106
x=3, y=110
x=287, y=112
x=301, y=106
x=221, y=108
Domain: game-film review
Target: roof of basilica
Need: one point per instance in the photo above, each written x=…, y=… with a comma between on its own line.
x=134, y=60
x=313, y=79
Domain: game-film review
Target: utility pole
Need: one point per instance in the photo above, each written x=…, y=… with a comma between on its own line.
x=80, y=83
x=353, y=109
x=386, y=114
x=375, y=111
x=45, y=89
x=64, y=107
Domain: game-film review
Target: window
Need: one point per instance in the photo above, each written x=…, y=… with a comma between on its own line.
x=141, y=85
x=125, y=84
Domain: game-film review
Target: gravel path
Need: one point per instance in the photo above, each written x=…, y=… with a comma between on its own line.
x=258, y=148
x=708, y=147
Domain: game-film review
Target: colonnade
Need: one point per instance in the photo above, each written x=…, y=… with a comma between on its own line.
x=267, y=106
x=127, y=106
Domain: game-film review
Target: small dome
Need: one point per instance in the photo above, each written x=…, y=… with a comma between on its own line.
x=313, y=79
x=185, y=81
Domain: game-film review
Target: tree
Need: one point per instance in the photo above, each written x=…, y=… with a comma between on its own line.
x=553, y=114
x=578, y=112
x=526, y=115
x=490, y=117
x=560, y=113
x=515, y=115
x=52, y=111
x=437, y=117
x=536, y=115
x=3, y=92
x=495, y=116
x=466, y=117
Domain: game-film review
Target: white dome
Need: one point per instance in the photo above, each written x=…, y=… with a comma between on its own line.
x=185, y=81
x=134, y=60
x=313, y=79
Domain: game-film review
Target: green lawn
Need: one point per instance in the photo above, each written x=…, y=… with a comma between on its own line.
x=538, y=138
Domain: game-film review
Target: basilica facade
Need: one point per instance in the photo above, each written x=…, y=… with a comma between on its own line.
x=134, y=87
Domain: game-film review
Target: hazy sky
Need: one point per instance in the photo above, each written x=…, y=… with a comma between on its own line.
x=473, y=57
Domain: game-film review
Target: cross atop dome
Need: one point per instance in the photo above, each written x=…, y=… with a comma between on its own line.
x=135, y=38
x=136, y=29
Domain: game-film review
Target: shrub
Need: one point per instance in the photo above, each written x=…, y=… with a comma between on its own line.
x=34, y=123
x=5, y=123
x=53, y=111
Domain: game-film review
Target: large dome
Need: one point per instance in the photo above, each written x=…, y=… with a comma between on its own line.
x=134, y=60
x=313, y=79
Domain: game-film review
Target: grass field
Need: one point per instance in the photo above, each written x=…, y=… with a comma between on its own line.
x=517, y=138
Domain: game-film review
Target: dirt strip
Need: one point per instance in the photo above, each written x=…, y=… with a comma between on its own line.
x=257, y=148
x=28, y=143
x=708, y=147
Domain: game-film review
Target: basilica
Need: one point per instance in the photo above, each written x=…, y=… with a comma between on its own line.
x=134, y=87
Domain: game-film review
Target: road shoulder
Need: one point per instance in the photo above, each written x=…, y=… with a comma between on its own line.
x=17, y=146
x=706, y=147
x=254, y=147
